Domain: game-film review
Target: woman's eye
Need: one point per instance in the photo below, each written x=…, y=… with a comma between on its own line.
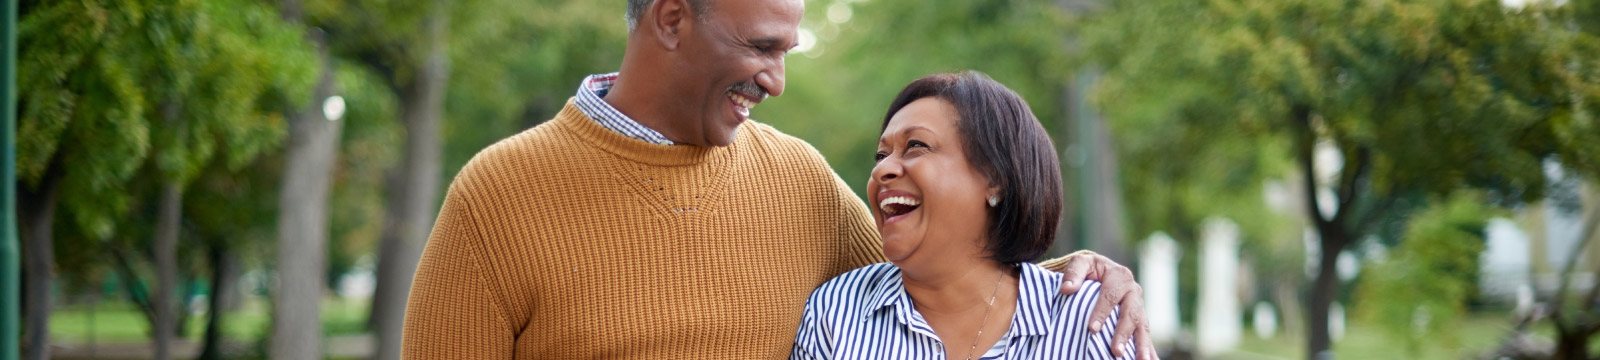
x=915, y=143
x=879, y=156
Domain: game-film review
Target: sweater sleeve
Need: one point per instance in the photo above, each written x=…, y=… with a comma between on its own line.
x=453, y=312
x=1060, y=264
x=858, y=233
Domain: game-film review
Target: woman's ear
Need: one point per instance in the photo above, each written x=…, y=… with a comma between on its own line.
x=667, y=17
x=994, y=196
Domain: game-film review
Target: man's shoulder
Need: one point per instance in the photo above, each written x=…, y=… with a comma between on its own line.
x=527, y=153
x=779, y=144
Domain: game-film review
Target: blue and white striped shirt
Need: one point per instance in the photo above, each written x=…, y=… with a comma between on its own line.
x=866, y=314
x=591, y=100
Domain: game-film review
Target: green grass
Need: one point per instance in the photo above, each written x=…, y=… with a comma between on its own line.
x=1477, y=334
x=123, y=322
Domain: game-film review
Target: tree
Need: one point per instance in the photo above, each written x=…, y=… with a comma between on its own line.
x=169, y=84
x=1418, y=97
x=312, y=150
x=1438, y=265
x=523, y=55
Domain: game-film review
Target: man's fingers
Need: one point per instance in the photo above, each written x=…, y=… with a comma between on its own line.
x=1147, y=350
x=1131, y=322
x=1109, y=297
x=1127, y=323
x=1077, y=268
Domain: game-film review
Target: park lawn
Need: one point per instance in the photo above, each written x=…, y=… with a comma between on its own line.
x=1477, y=334
x=120, y=322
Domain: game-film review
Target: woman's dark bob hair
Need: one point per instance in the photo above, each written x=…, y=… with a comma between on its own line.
x=1005, y=143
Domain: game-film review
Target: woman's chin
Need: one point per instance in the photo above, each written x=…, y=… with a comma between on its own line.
x=895, y=250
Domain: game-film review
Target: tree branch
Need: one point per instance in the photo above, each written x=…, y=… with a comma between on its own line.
x=1301, y=117
x=136, y=291
x=1347, y=184
x=1588, y=235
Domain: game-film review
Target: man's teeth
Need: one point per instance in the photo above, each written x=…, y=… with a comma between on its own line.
x=886, y=204
x=741, y=100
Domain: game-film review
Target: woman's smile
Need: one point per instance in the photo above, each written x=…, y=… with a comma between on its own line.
x=897, y=205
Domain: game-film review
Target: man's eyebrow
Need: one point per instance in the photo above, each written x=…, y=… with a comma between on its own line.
x=768, y=41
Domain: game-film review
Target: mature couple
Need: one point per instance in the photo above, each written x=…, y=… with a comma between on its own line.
x=650, y=219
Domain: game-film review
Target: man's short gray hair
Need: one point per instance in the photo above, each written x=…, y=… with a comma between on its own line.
x=636, y=9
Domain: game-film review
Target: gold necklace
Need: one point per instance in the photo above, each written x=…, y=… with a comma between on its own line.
x=985, y=315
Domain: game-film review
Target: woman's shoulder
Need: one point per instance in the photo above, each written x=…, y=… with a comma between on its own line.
x=1046, y=285
x=854, y=287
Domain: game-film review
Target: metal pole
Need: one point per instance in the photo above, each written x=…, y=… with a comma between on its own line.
x=10, y=260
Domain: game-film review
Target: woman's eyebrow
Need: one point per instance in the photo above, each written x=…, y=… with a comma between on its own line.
x=907, y=130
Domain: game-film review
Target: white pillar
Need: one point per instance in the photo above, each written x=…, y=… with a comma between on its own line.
x=1158, y=275
x=1218, y=316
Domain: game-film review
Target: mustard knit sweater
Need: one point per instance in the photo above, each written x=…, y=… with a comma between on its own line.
x=569, y=241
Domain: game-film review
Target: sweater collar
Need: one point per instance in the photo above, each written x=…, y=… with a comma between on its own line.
x=574, y=119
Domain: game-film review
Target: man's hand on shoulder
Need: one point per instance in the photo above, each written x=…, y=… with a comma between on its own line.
x=1117, y=288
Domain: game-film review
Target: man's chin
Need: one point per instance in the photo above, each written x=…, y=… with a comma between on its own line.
x=725, y=138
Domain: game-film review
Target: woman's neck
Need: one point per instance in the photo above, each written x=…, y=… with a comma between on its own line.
x=958, y=287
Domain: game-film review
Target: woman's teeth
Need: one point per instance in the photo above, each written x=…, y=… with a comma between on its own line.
x=897, y=205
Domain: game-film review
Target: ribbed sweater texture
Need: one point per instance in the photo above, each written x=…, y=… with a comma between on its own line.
x=571, y=241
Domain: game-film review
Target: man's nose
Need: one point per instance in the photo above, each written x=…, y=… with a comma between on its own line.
x=772, y=79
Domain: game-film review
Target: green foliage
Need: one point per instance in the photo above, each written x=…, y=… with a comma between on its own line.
x=106, y=84
x=370, y=145
x=1420, y=97
x=80, y=103
x=1444, y=94
x=518, y=62
x=1436, y=267
x=223, y=71
x=836, y=95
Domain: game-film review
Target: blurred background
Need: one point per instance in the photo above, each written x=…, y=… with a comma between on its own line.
x=1290, y=179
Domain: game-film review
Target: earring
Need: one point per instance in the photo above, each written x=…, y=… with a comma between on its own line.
x=994, y=201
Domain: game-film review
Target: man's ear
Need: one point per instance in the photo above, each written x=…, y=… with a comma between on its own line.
x=668, y=18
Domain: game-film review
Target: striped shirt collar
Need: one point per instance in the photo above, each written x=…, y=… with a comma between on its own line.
x=591, y=100
x=1036, y=289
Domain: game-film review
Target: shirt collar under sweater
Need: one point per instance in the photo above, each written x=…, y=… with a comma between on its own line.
x=572, y=119
x=591, y=99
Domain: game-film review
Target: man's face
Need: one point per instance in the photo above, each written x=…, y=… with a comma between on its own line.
x=733, y=61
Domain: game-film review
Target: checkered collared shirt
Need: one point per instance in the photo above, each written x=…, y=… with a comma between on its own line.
x=591, y=101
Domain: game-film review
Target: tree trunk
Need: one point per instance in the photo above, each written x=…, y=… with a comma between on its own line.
x=1572, y=345
x=413, y=193
x=1332, y=232
x=168, y=217
x=38, y=216
x=1324, y=291
x=1067, y=232
x=303, y=223
x=185, y=302
x=222, y=282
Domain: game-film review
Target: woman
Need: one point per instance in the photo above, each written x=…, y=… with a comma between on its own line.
x=966, y=194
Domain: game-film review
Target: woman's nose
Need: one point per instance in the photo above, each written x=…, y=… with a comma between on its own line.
x=888, y=169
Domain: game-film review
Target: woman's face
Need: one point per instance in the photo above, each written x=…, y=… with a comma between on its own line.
x=928, y=201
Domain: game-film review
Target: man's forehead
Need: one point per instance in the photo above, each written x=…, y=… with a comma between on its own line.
x=769, y=15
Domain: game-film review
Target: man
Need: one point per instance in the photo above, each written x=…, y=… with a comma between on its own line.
x=649, y=219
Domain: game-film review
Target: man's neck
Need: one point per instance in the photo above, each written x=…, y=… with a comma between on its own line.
x=636, y=101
